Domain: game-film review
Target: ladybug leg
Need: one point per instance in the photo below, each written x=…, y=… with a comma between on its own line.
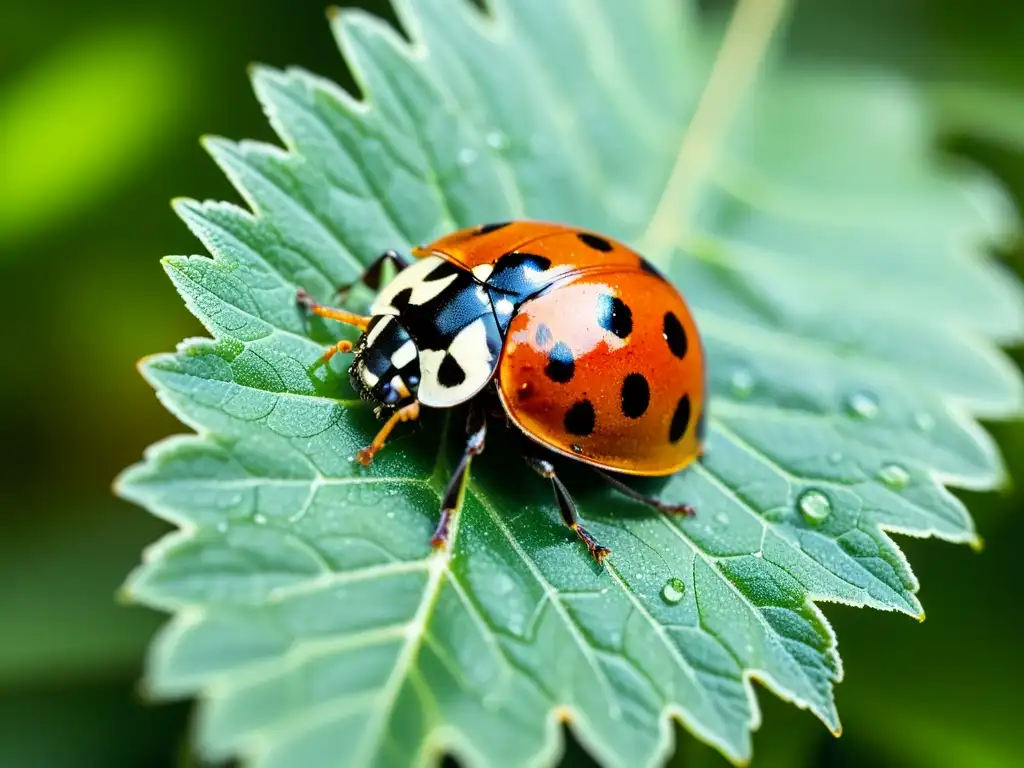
x=342, y=346
x=567, y=507
x=409, y=412
x=672, y=509
x=310, y=304
x=476, y=432
x=371, y=277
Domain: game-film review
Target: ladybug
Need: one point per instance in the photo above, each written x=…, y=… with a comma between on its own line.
x=583, y=346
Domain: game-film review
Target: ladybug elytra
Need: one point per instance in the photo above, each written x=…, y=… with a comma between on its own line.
x=577, y=339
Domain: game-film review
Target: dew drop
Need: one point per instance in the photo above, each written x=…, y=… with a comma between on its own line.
x=467, y=156
x=222, y=527
x=259, y=519
x=673, y=590
x=862, y=405
x=742, y=383
x=722, y=519
x=835, y=457
x=894, y=476
x=227, y=502
x=924, y=421
x=497, y=140
x=391, y=515
x=814, y=506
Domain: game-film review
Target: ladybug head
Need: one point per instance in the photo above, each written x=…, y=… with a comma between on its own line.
x=385, y=370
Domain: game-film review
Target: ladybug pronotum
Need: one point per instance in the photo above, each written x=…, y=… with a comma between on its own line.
x=576, y=339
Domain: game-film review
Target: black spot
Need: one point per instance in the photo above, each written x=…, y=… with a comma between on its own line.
x=488, y=228
x=444, y=269
x=543, y=336
x=680, y=420
x=613, y=315
x=636, y=395
x=650, y=269
x=561, y=365
x=450, y=373
x=579, y=420
x=675, y=335
x=595, y=242
x=400, y=300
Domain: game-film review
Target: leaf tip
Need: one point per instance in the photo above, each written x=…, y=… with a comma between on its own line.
x=171, y=261
x=213, y=143
x=976, y=543
x=146, y=693
x=144, y=364
x=123, y=596
x=120, y=482
x=184, y=207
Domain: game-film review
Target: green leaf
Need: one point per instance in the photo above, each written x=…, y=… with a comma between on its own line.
x=837, y=272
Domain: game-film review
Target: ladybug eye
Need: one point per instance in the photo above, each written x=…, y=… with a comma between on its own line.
x=388, y=394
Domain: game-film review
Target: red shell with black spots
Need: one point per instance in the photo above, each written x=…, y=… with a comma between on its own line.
x=603, y=363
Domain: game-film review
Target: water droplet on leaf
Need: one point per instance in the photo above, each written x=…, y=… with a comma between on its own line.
x=222, y=527
x=673, y=590
x=924, y=421
x=814, y=506
x=722, y=519
x=742, y=383
x=894, y=476
x=467, y=156
x=862, y=405
x=835, y=457
x=259, y=519
x=497, y=140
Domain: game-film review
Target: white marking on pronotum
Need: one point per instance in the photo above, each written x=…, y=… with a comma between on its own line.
x=469, y=348
x=413, y=277
x=425, y=291
x=404, y=355
x=369, y=378
x=482, y=271
x=377, y=330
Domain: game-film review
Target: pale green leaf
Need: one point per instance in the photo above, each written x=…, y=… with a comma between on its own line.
x=850, y=315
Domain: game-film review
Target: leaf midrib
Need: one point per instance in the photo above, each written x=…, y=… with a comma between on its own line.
x=750, y=31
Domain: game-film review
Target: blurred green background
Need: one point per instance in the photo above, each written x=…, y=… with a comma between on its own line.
x=101, y=106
